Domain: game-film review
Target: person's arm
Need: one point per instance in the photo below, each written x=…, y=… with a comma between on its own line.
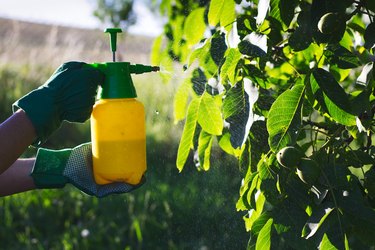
x=17, y=177
x=16, y=134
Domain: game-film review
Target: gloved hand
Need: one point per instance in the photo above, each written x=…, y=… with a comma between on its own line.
x=55, y=168
x=68, y=94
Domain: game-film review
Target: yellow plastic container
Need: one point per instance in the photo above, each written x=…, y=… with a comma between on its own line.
x=118, y=132
x=118, y=141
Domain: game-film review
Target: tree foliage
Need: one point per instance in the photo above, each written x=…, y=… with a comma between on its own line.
x=266, y=74
x=116, y=12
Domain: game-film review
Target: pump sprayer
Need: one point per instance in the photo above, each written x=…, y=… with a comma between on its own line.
x=118, y=131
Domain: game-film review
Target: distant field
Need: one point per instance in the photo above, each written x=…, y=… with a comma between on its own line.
x=24, y=42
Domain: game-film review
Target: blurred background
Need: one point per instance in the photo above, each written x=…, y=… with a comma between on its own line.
x=188, y=210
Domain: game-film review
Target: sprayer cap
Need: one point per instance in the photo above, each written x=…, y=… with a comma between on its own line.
x=118, y=82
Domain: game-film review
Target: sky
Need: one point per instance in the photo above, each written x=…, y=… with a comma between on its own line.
x=76, y=13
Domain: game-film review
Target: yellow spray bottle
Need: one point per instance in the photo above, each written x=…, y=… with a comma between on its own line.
x=118, y=131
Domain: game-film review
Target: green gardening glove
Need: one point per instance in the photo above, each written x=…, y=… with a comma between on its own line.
x=68, y=94
x=56, y=168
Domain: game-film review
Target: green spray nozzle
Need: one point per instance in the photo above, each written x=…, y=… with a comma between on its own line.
x=140, y=68
x=113, y=40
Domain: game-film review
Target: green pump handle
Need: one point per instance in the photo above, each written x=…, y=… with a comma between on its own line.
x=113, y=40
x=118, y=82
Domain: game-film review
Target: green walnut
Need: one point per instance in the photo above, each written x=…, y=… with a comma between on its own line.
x=289, y=157
x=332, y=23
x=308, y=171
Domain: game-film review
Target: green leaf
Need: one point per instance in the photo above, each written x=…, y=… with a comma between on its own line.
x=248, y=185
x=366, y=74
x=300, y=39
x=286, y=8
x=325, y=244
x=258, y=142
x=282, y=12
x=342, y=57
x=177, y=32
x=236, y=110
x=244, y=158
x=334, y=97
x=260, y=222
x=180, y=100
x=302, y=36
x=358, y=158
x=346, y=243
x=204, y=150
x=284, y=118
x=265, y=169
x=203, y=55
x=254, y=214
x=289, y=218
x=369, y=36
x=339, y=73
x=199, y=53
x=264, y=237
x=155, y=50
x=360, y=103
x=275, y=10
x=187, y=136
x=226, y=145
x=223, y=12
x=166, y=7
x=199, y=81
x=215, y=10
x=249, y=49
x=347, y=41
x=194, y=27
x=317, y=219
x=160, y=57
x=242, y=204
x=254, y=73
x=258, y=39
x=254, y=197
x=209, y=115
x=360, y=215
x=228, y=15
x=228, y=69
x=218, y=48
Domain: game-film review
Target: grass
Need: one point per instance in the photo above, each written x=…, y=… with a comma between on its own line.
x=188, y=210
